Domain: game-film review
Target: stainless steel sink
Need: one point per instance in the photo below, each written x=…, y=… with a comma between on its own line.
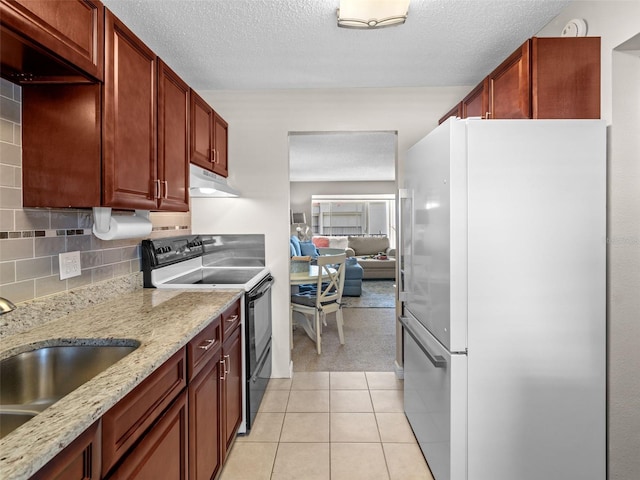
x=34, y=380
x=10, y=420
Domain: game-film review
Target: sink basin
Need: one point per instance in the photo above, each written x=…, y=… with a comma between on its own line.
x=34, y=380
x=10, y=420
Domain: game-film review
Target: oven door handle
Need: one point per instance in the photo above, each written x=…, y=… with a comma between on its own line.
x=262, y=289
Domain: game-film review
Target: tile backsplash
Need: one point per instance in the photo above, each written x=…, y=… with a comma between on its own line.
x=31, y=239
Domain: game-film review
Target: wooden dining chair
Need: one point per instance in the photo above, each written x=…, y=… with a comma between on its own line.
x=325, y=299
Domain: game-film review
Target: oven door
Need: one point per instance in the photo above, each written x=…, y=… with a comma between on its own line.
x=258, y=319
x=257, y=385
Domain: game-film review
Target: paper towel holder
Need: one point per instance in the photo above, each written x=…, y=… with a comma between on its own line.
x=104, y=223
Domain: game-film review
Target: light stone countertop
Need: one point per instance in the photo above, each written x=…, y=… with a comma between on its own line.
x=162, y=321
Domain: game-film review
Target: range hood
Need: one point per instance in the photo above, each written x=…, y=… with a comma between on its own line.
x=207, y=184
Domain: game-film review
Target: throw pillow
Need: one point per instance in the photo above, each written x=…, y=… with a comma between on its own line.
x=296, y=245
x=308, y=248
x=320, y=242
x=339, y=242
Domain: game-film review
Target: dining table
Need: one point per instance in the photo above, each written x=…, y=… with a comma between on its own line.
x=309, y=276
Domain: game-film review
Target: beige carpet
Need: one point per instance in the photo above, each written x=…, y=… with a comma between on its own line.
x=370, y=343
x=375, y=294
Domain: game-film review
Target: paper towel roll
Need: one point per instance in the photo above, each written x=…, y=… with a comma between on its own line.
x=125, y=226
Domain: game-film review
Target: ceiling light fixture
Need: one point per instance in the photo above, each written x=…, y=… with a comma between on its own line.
x=369, y=14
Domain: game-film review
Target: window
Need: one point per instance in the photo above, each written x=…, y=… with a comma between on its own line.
x=354, y=215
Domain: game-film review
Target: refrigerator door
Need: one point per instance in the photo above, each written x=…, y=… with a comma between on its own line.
x=435, y=400
x=435, y=180
x=536, y=288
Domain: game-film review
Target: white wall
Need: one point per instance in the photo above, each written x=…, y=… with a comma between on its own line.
x=616, y=22
x=259, y=124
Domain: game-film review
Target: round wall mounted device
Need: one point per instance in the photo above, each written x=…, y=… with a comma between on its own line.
x=575, y=28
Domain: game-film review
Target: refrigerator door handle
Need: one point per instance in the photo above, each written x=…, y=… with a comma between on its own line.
x=404, y=195
x=438, y=361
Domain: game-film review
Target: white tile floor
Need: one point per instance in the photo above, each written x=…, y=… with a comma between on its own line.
x=329, y=426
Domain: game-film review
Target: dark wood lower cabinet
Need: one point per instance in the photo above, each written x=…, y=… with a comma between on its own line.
x=162, y=452
x=79, y=461
x=231, y=389
x=204, y=422
x=130, y=419
x=178, y=424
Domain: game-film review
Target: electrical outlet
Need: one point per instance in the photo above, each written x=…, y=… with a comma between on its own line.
x=69, y=264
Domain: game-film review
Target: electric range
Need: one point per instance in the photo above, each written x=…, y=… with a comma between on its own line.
x=223, y=262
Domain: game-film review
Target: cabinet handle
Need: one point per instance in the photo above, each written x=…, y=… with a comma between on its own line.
x=156, y=184
x=487, y=115
x=232, y=318
x=206, y=345
x=166, y=189
x=227, y=357
x=224, y=370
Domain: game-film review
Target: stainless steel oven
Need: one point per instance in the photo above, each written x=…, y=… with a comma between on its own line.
x=258, y=345
x=221, y=262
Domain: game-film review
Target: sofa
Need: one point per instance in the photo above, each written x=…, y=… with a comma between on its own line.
x=372, y=253
x=353, y=271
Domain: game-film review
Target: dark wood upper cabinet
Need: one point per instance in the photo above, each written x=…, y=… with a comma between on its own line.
x=220, y=140
x=209, y=137
x=129, y=168
x=61, y=145
x=106, y=122
x=46, y=41
x=202, y=119
x=565, y=77
x=543, y=78
x=173, y=140
x=476, y=103
x=510, y=86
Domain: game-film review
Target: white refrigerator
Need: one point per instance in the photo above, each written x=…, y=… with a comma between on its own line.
x=502, y=266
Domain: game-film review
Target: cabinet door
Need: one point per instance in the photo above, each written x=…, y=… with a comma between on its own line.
x=204, y=422
x=79, y=461
x=510, y=86
x=230, y=320
x=162, y=452
x=73, y=30
x=232, y=388
x=476, y=103
x=201, y=132
x=566, y=77
x=129, y=120
x=128, y=420
x=173, y=140
x=61, y=145
x=220, y=141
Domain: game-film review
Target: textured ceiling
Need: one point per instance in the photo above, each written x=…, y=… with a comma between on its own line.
x=256, y=44
x=285, y=44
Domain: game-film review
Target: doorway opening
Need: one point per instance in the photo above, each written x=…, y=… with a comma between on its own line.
x=356, y=170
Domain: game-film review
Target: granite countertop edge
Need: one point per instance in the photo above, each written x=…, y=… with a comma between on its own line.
x=160, y=321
